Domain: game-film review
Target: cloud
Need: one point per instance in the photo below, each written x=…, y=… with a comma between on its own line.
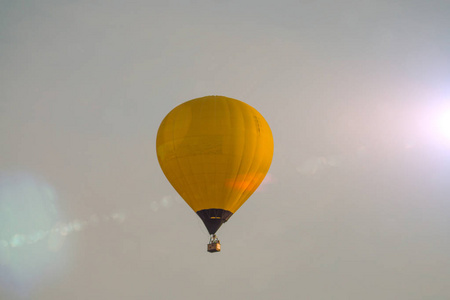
x=318, y=164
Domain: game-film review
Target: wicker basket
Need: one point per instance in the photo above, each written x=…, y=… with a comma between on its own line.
x=214, y=247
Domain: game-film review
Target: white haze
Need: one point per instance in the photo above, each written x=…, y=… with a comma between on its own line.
x=356, y=205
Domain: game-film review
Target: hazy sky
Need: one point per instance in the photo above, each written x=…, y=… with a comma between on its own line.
x=356, y=204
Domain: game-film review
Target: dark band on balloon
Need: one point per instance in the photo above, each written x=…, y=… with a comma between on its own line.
x=213, y=218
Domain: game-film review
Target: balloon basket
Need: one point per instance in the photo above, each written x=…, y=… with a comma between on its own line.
x=214, y=244
x=214, y=247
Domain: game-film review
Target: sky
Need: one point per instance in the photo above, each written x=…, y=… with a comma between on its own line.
x=355, y=205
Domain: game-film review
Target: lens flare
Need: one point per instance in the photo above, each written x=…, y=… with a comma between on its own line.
x=33, y=234
x=28, y=211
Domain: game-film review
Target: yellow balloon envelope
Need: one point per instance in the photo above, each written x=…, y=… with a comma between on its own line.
x=215, y=151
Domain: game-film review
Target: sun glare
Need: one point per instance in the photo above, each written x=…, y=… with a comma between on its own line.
x=444, y=124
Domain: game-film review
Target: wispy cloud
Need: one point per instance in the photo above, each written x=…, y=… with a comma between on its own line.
x=319, y=164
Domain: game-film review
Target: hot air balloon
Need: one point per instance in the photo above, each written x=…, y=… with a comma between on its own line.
x=215, y=151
